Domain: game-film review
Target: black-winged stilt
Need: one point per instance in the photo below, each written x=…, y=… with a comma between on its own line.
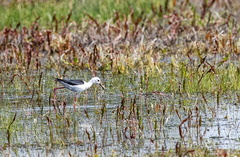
x=77, y=86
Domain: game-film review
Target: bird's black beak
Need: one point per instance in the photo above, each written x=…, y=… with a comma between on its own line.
x=102, y=86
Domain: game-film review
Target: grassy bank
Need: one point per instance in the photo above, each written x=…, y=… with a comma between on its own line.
x=26, y=12
x=189, y=47
x=171, y=72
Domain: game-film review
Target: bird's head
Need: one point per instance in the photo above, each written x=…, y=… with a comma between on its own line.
x=96, y=80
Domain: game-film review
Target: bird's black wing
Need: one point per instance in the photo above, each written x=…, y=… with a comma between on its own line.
x=71, y=82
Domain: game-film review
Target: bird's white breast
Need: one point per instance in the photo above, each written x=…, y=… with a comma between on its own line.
x=83, y=87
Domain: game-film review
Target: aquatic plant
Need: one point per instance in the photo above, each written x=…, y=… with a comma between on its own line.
x=169, y=68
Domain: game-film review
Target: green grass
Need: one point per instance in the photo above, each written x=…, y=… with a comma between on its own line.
x=184, y=56
x=159, y=68
x=27, y=12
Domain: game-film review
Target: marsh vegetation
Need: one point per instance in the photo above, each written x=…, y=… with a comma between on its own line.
x=170, y=68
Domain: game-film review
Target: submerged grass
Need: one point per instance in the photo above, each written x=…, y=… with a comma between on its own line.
x=124, y=118
x=169, y=68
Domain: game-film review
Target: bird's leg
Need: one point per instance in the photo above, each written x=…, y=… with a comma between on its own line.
x=75, y=100
x=54, y=90
x=86, y=96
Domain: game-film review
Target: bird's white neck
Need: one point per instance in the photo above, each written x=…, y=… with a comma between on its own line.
x=88, y=85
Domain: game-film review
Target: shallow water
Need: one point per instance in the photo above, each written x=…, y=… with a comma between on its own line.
x=123, y=120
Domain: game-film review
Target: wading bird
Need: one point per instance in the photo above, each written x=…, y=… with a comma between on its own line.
x=77, y=86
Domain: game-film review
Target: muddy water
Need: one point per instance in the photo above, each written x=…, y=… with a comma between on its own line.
x=125, y=119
